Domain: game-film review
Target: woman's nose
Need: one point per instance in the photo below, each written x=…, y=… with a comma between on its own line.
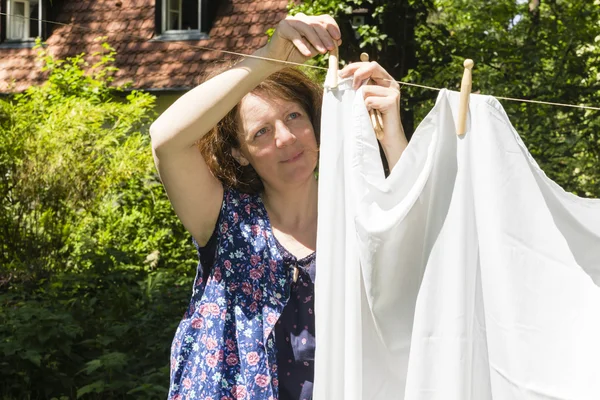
x=283, y=135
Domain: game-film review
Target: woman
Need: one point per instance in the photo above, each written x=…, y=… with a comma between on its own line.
x=249, y=199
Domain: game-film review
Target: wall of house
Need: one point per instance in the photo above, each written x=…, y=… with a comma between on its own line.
x=164, y=100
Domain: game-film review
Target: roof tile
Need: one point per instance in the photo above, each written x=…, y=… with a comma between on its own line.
x=239, y=26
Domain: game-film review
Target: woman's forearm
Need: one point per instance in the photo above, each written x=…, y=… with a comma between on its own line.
x=197, y=111
x=393, y=143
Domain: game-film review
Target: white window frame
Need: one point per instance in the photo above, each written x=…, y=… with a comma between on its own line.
x=166, y=9
x=10, y=20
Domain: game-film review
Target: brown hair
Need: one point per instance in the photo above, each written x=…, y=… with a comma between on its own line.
x=289, y=84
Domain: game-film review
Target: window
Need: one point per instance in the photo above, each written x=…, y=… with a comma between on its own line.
x=184, y=19
x=182, y=15
x=23, y=22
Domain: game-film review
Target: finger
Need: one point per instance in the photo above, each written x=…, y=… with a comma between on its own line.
x=350, y=69
x=310, y=51
x=300, y=42
x=383, y=99
x=386, y=105
x=325, y=36
x=380, y=91
x=309, y=33
x=369, y=70
x=332, y=27
x=381, y=76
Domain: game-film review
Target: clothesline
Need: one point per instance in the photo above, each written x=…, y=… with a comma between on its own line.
x=204, y=48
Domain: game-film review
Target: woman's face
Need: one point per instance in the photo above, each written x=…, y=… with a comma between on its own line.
x=277, y=138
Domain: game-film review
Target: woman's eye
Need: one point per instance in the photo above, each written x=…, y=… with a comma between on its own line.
x=260, y=132
x=294, y=115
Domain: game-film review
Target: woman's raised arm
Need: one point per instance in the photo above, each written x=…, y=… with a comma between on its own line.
x=192, y=189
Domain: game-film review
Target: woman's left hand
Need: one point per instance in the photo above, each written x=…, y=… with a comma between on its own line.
x=384, y=96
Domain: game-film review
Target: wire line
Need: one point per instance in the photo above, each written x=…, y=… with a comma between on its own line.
x=286, y=62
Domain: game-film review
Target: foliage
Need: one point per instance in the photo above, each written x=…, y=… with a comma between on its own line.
x=545, y=52
x=93, y=260
x=541, y=50
x=95, y=268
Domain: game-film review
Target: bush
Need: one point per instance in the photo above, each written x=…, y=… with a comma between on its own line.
x=94, y=265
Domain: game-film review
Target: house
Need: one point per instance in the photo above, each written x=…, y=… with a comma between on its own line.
x=157, y=41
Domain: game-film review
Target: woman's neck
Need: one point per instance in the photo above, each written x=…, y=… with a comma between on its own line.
x=294, y=208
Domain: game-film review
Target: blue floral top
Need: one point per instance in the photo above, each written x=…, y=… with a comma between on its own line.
x=248, y=326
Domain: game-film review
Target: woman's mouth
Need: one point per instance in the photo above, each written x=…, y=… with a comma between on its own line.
x=294, y=158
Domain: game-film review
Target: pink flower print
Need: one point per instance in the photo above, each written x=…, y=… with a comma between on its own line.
x=199, y=281
x=230, y=344
x=224, y=227
x=239, y=392
x=268, y=331
x=236, y=218
x=254, y=259
x=255, y=273
x=275, y=382
x=271, y=319
x=197, y=323
x=307, y=299
x=204, y=310
x=273, y=265
x=187, y=383
x=255, y=229
x=257, y=295
x=227, y=264
x=303, y=341
x=203, y=376
x=247, y=208
x=246, y=288
x=211, y=343
x=310, y=311
x=252, y=358
x=177, y=397
x=214, y=309
x=217, y=274
x=173, y=363
x=221, y=355
x=253, y=307
x=262, y=380
x=212, y=360
x=232, y=359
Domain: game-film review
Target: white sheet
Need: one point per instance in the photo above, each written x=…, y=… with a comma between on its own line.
x=466, y=274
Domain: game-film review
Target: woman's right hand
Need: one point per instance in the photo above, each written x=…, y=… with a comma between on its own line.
x=301, y=37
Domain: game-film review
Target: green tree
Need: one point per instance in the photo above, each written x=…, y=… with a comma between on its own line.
x=539, y=50
x=542, y=50
x=93, y=259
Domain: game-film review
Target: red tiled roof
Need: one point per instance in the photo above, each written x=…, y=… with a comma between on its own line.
x=239, y=26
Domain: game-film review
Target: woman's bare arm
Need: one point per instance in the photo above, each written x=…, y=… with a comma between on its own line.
x=192, y=189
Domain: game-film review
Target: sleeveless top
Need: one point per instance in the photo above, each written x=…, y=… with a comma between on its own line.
x=225, y=346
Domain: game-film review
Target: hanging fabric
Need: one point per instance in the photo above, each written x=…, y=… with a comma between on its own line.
x=465, y=274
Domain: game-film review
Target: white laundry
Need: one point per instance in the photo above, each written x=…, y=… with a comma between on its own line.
x=466, y=274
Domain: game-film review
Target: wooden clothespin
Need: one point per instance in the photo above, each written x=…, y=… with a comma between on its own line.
x=465, y=91
x=376, y=118
x=331, y=80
